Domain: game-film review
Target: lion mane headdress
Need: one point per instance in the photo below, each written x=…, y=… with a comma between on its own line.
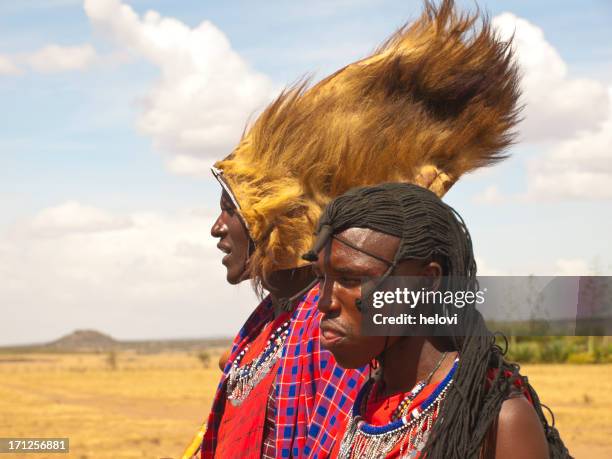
x=439, y=98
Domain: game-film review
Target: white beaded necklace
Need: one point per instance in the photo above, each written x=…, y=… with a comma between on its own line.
x=242, y=379
x=365, y=441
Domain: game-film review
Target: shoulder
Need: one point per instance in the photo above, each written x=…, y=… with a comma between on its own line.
x=306, y=312
x=519, y=431
x=261, y=315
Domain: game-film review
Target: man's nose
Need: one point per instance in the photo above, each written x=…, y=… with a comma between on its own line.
x=327, y=300
x=219, y=228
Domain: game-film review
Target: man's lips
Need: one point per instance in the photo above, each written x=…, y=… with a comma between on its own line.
x=224, y=248
x=330, y=334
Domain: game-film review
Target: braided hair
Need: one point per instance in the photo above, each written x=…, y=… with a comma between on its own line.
x=428, y=230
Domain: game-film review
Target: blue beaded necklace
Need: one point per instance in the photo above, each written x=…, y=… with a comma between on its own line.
x=362, y=440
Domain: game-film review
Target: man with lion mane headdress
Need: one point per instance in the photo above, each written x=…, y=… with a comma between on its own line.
x=438, y=99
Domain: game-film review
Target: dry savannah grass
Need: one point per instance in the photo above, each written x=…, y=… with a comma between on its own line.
x=128, y=405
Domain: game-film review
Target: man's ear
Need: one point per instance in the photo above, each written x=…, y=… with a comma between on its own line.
x=432, y=271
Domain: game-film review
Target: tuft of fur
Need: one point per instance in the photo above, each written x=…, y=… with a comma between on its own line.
x=440, y=94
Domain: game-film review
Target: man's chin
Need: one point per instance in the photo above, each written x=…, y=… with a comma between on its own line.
x=233, y=279
x=347, y=362
x=236, y=278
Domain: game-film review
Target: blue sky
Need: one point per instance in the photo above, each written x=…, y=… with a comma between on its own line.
x=105, y=212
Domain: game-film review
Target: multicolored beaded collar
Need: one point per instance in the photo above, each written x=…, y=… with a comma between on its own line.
x=362, y=440
x=242, y=379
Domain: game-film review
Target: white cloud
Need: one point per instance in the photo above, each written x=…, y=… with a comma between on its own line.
x=577, y=168
x=549, y=267
x=183, y=164
x=573, y=267
x=54, y=58
x=485, y=269
x=557, y=105
x=73, y=217
x=491, y=195
x=8, y=67
x=567, y=120
x=158, y=276
x=206, y=92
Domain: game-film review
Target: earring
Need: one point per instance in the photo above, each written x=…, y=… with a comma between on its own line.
x=373, y=367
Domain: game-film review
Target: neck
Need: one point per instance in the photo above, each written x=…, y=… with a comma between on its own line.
x=287, y=283
x=411, y=359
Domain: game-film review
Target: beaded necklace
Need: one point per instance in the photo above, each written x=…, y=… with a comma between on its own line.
x=242, y=379
x=365, y=441
x=410, y=396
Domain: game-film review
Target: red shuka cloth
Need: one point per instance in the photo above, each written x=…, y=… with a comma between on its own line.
x=313, y=395
x=379, y=409
x=241, y=428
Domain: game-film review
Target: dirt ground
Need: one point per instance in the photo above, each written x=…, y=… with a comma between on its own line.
x=580, y=397
x=149, y=406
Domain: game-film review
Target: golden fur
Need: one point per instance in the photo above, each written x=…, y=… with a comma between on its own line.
x=436, y=100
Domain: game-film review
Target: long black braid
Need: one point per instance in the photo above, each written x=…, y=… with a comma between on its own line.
x=428, y=230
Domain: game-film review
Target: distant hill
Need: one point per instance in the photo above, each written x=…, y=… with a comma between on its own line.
x=95, y=341
x=83, y=341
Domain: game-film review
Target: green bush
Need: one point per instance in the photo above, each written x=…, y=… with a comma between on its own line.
x=603, y=353
x=204, y=357
x=556, y=351
x=523, y=352
x=111, y=360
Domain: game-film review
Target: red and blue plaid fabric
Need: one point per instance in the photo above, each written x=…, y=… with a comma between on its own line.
x=263, y=314
x=313, y=394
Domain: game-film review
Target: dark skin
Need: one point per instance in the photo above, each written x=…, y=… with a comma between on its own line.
x=406, y=359
x=235, y=242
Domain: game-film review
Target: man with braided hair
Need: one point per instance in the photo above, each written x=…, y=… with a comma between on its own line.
x=440, y=397
x=436, y=100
